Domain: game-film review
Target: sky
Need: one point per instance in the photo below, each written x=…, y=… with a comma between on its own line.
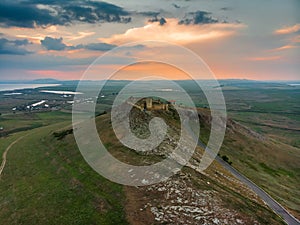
x=237, y=39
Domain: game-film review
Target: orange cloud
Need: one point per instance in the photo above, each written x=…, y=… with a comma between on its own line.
x=288, y=30
x=296, y=39
x=145, y=69
x=72, y=53
x=136, y=71
x=80, y=35
x=33, y=39
x=285, y=47
x=267, y=58
x=173, y=32
x=39, y=33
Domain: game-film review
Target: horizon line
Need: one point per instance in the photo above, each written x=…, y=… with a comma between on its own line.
x=223, y=79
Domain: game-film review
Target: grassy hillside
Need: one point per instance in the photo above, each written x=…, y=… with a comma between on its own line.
x=271, y=164
x=216, y=190
x=46, y=181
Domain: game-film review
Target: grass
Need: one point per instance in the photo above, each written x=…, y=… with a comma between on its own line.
x=5, y=142
x=275, y=126
x=13, y=123
x=268, y=169
x=271, y=164
x=46, y=181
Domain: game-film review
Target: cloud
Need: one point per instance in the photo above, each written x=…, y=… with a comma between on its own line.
x=80, y=35
x=226, y=8
x=288, y=30
x=264, y=58
x=41, y=62
x=293, y=37
x=285, y=47
x=96, y=46
x=296, y=39
x=22, y=15
x=198, y=17
x=161, y=21
x=34, y=13
x=57, y=44
x=174, y=32
x=149, y=13
x=176, y=6
x=53, y=44
x=9, y=47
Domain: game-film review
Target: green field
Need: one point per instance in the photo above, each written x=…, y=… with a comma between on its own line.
x=46, y=180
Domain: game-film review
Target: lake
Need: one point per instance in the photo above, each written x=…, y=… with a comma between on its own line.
x=12, y=87
x=61, y=92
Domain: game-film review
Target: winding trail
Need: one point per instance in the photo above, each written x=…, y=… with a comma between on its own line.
x=6, y=151
x=12, y=144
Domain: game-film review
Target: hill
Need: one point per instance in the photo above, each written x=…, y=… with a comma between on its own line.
x=46, y=181
x=270, y=163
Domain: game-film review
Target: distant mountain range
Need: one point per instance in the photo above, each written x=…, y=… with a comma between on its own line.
x=37, y=81
x=221, y=81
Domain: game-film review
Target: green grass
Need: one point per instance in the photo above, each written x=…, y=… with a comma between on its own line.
x=268, y=169
x=13, y=123
x=269, y=162
x=46, y=181
x=274, y=167
x=6, y=141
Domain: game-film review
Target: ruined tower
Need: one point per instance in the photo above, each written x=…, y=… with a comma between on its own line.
x=149, y=103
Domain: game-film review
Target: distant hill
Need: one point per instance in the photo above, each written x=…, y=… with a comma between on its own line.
x=37, y=81
x=45, y=81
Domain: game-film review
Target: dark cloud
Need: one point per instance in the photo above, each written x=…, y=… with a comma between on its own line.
x=58, y=45
x=12, y=47
x=53, y=44
x=150, y=13
x=226, y=8
x=161, y=21
x=53, y=12
x=198, y=17
x=21, y=15
x=97, y=46
x=176, y=6
x=21, y=42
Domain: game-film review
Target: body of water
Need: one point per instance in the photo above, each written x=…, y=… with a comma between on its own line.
x=61, y=92
x=12, y=87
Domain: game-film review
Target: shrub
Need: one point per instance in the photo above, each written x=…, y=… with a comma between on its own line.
x=60, y=135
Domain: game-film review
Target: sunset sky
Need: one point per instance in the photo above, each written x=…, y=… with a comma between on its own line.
x=236, y=38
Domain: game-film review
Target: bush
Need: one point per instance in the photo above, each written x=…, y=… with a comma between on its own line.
x=101, y=113
x=62, y=134
x=226, y=159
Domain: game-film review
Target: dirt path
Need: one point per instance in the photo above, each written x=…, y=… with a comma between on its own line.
x=13, y=143
x=5, y=153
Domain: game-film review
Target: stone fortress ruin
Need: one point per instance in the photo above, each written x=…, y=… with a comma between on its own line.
x=149, y=104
